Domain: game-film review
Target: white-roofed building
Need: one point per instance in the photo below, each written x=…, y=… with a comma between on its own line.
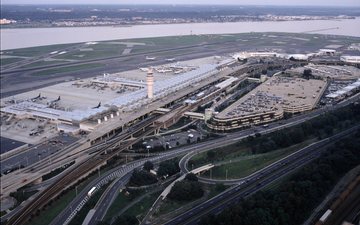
x=344, y=91
x=350, y=59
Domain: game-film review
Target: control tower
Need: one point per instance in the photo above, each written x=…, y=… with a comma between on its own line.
x=150, y=83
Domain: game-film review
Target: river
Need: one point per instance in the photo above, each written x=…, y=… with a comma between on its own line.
x=31, y=37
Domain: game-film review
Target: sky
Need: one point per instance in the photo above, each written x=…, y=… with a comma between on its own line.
x=207, y=2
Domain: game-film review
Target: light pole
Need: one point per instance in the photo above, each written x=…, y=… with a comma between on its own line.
x=226, y=175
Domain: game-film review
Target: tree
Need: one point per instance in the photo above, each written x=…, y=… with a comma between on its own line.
x=102, y=223
x=186, y=190
x=142, y=177
x=329, y=130
x=307, y=73
x=169, y=167
x=297, y=196
x=211, y=154
x=126, y=220
x=191, y=177
x=148, y=166
x=220, y=187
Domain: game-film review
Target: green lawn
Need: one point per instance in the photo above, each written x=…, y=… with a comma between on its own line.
x=142, y=207
x=119, y=203
x=101, y=50
x=50, y=213
x=171, y=205
x=67, y=69
x=6, y=61
x=42, y=63
x=36, y=51
x=222, y=154
x=244, y=166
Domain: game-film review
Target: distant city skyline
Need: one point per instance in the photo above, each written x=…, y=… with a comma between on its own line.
x=198, y=2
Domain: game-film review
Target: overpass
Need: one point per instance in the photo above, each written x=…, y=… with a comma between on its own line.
x=192, y=115
x=167, y=190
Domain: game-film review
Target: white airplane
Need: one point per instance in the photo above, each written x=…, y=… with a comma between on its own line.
x=163, y=70
x=150, y=58
x=178, y=71
x=170, y=60
x=144, y=69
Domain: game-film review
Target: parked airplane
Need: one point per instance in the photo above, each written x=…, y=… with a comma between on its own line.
x=37, y=97
x=58, y=99
x=150, y=58
x=98, y=106
x=144, y=69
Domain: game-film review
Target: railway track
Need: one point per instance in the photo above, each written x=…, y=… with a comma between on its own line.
x=112, y=148
x=81, y=170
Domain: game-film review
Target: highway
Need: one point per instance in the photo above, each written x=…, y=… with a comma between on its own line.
x=13, y=181
x=257, y=181
x=85, y=166
x=119, y=172
x=82, y=169
x=234, y=137
x=278, y=125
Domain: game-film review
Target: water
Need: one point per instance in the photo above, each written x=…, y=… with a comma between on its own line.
x=30, y=37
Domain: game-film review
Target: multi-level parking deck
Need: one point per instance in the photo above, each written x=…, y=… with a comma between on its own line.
x=269, y=101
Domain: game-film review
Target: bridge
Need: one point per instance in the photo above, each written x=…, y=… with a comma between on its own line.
x=192, y=115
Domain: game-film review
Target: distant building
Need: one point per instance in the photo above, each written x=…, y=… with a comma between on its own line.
x=6, y=21
x=350, y=59
x=327, y=52
x=246, y=55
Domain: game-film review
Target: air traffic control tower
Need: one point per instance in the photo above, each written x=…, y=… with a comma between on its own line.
x=150, y=84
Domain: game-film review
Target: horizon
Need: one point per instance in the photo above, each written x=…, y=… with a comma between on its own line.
x=279, y=3
x=181, y=4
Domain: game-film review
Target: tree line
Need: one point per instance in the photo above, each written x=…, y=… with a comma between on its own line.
x=293, y=201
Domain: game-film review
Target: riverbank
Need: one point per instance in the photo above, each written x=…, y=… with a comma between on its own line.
x=13, y=38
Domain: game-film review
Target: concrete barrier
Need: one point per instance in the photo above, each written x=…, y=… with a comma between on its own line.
x=13, y=152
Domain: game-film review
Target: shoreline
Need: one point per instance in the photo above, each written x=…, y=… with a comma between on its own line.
x=3, y=27
x=12, y=38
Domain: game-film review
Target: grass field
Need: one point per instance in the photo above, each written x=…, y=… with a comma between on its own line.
x=67, y=69
x=6, y=61
x=142, y=207
x=224, y=153
x=244, y=166
x=42, y=63
x=36, y=51
x=101, y=50
x=119, y=203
